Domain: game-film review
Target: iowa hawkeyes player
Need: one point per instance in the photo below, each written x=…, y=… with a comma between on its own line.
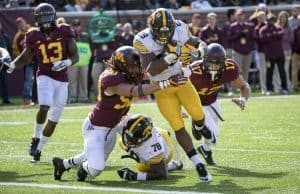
x=208, y=76
x=55, y=49
x=160, y=47
x=118, y=84
x=150, y=147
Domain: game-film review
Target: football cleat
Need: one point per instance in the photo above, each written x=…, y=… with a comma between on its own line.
x=81, y=174
x=203, y=173
x=36, y=157
x=33, y=145
x=207, y=155
x=178, y=165
x=59, y=168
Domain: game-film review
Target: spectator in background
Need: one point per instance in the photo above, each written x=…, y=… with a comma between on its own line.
x=194, y=26
x=72, y=6
x=227, y=44
x=12, y=4
x=296, y=57
x=78, y=73
x=110, y=5
x=4, y=43
x=60, y=20
x=261, y=19
x=241, y=35
x=128, y=34
x=29, y=69
x=271, y=37
x=293, y=22
x=170, y=4
x=102, y=52
x=200, y=4
x=93, y=5
x=261, y=7
x=82, y=3
x=211, y=33
x=287, y=40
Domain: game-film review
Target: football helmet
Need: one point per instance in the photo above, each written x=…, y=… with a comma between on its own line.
x=214, y=61
x=137, y=130
x=162, y=25
x=127, y=60
x=45, y=16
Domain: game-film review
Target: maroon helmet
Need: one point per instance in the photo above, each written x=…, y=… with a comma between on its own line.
x=214, y=61
x=127, y=60
x=45, y=17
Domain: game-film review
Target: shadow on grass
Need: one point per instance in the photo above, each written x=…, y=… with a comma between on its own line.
x=9, y=176
x=237, y=172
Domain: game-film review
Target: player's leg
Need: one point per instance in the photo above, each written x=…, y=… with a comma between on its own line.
x=94, y=149
x=60, y=96
x=170, y=107
x=45, y=93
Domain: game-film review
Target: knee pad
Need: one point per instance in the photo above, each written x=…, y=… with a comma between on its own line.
x=55, y=113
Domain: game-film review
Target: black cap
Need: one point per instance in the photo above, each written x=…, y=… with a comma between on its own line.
x=271, y=16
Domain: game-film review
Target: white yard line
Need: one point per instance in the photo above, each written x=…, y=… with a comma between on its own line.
x=98, y=188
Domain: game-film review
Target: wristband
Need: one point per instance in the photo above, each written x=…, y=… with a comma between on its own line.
x=141, y=176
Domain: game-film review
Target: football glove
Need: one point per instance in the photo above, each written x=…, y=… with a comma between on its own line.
x=60, y=65
x=127, y=174
x=174, y=80
x=6, y=65
x=241, y=102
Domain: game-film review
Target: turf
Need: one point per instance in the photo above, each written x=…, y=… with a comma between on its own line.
x=258, y=151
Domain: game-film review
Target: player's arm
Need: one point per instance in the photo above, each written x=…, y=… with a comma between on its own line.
x=140, y=90
x=158, y=171
x=197, y=43
x=153, y=64
x=245, y=90
x=73, y=56
x=23, y=59
x=72, y=51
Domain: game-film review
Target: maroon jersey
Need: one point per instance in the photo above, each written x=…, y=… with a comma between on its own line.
x=109, y=109
x=49, y=49
x=207, y=90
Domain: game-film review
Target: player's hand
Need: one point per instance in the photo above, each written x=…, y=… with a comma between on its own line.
x=60, y=65
x=6, y=65
x=174, y=80
x=241, y=102
x=127, y=174
x=171, y=58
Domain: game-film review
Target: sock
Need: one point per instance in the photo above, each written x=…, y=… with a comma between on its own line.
x=43, y=141
x=37, y=130
x=195, y=159
x=207, y=145
x=74, y=161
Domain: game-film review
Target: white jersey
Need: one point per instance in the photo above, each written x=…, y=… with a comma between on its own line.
x=145, y=43
x=152, y=149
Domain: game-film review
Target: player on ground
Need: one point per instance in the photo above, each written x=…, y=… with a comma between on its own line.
x=160, y=48
x=55, y=49
x=151, y=147
x=118, y=84
x=208, y=77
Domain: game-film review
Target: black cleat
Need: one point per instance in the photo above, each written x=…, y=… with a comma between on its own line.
x=203, y=174
x=81, y=174
x=59, y=168
x=36, y=157
x=33, y=145
x=207, y=155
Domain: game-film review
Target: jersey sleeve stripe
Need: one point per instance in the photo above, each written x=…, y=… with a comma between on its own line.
x=139, y=46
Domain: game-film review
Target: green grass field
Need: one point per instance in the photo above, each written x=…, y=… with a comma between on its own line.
x=258, y=152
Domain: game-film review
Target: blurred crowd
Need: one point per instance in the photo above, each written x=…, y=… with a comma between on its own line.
x=265, y=45
x=94, y=5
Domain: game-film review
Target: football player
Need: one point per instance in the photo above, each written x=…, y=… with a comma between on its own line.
x=55, y=48
x=150, y=147
x=118, y=84
x=4, y=58
x=208, y=76
x=160, y=47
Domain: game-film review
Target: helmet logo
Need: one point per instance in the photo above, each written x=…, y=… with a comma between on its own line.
x=120, y=57
x=158, y=15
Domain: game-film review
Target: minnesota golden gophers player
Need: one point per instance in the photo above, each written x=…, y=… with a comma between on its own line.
x=160, y=47
x=208, y=76
x=118, y=84
x=55, y=49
